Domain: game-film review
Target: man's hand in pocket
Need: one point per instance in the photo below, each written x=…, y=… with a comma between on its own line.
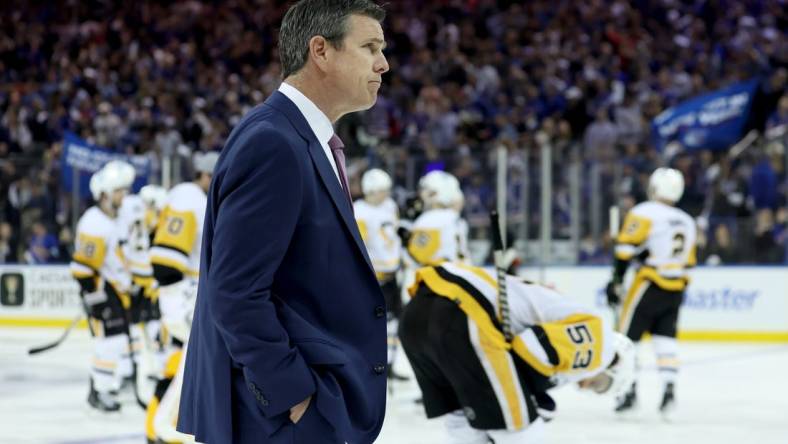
x=298, y=410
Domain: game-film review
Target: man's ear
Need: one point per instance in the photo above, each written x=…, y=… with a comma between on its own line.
x=318, y=51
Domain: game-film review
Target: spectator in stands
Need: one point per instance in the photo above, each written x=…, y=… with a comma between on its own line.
x=763, y=184
x=592, y=253
x=781, y=232
x=780, y=115
x=601, y=136
x=163, y=75
x=766, y=250
x=720, y=249
x=65, y=246
x=43, y=246
x=8, y=244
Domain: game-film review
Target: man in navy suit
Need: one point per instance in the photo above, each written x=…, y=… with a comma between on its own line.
x=288, y=342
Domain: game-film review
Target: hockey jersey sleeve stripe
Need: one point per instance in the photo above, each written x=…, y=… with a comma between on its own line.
x=478, y=272
x=90, y=251
x=468, y=304
x=160, y=247
x=170, y=258
x=625, y=252
x=528, y=348
x=80, y=270
x=635, y=230
x=541, y=336
x=677, y=283
x=471, y=291
x=177, y=230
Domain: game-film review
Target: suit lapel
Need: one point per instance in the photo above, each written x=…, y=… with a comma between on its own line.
x=323, y=167
x=338, y=197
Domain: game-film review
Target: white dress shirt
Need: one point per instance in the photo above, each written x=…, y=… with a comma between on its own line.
x=316, y=119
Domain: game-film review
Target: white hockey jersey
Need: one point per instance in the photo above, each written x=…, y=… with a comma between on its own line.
x=98, y=253
x=135, y=236
x=378, y=228
x=178, y=240
x=438, y=235
x=669, y=237
x=560, y=339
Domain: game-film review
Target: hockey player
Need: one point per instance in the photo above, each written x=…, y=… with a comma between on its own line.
x=660, y=239
x=438, y=234
x=175, y=256
x=487, y=387
x=377, y=217
x=155, y=197
x=98, y=266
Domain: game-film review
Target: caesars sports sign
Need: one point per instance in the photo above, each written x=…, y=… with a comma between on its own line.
x=41, y=292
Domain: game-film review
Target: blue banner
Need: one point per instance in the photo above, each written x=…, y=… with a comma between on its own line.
x=83, y=159
x=713, y=121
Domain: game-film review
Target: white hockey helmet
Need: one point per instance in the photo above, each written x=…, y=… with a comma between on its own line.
x=429, y=181
x=667, y=184
x=438, y=187
x=124, y=170
x=375, y=180
x=96, y=185
x=447, y=192
x=154, y=195
x=107, y=181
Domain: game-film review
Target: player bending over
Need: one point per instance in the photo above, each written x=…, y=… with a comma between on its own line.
x=491, y=389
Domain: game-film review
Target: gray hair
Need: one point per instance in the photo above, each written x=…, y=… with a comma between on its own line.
x=327, y=18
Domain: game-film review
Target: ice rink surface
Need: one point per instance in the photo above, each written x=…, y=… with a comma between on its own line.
x=727, y=394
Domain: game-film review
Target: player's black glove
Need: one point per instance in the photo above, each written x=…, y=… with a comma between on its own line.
x=613, y=291
x=404, y=235
x=545, y=406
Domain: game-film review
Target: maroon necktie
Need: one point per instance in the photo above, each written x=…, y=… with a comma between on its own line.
x=337, y=146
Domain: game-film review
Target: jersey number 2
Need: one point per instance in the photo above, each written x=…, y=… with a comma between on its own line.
x=678, y=244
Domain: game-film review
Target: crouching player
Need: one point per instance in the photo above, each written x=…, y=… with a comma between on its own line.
x=492, y=389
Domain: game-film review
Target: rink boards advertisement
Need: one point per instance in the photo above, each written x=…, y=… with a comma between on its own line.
x=721, y=303
x=38, y=296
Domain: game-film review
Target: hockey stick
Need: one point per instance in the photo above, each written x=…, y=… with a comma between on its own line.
x=614, y=228
x=143, y=405
x=503, y=298
x=127, y=320
x=60, y=340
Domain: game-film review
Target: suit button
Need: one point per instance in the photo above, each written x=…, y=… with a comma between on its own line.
x=264, y=402
x=379, y=369
x=380, y=312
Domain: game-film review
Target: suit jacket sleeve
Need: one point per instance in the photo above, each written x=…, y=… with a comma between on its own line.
x=256, y=208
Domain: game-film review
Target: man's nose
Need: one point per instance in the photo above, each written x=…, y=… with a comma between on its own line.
x=381, y=65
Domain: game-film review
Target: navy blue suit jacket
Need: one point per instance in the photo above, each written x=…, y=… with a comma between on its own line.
x=288, y=303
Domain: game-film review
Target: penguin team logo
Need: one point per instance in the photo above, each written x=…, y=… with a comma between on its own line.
x=12, y=289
